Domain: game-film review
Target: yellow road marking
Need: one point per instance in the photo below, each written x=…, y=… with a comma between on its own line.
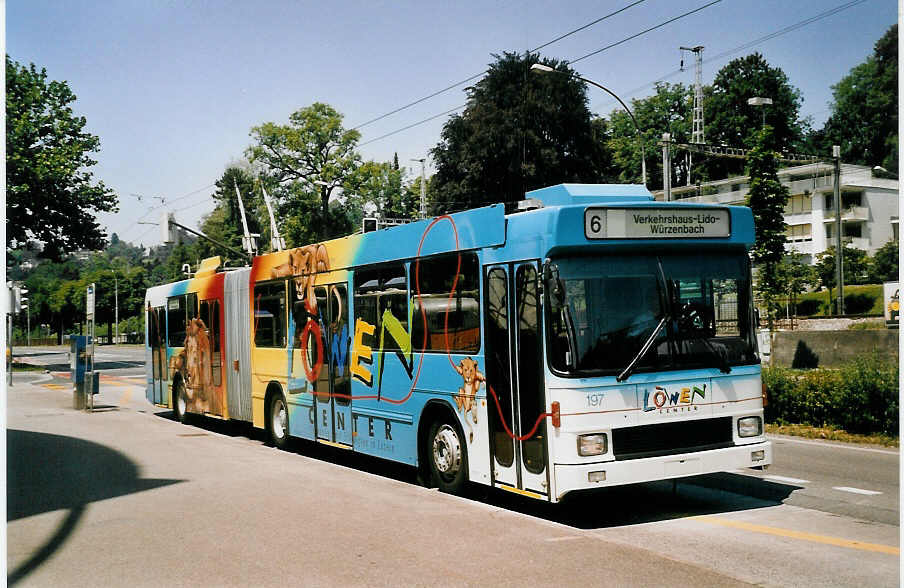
x=837, y=541
x=126, y=396
x=55, y=386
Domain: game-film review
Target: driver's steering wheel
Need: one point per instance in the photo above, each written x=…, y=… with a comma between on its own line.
x=695, y=317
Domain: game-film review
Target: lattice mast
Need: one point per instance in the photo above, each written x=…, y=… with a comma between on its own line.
x=697, y=136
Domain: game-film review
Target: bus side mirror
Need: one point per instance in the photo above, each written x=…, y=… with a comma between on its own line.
x=553, y=283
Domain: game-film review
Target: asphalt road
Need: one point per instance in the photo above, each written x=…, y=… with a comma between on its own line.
x=126, y=496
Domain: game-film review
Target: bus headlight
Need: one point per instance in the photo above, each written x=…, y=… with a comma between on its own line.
x=750, y=426
x=595, y=444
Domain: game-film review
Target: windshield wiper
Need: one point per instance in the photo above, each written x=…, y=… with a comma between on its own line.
x=571, y=336
x=666, y=317
x=643, y=350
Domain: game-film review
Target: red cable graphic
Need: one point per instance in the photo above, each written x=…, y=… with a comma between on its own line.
x=417, y=282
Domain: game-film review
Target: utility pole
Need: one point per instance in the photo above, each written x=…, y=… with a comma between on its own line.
x=697, y=135
x=423, y=211
x=666, y=167
x=116, y=303
x=839, y=246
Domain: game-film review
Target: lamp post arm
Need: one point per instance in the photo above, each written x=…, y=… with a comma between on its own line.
x=614, y=95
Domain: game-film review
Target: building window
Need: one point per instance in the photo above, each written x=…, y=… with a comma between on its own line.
x=799, y=203
x=852, y=230
x=800, y=232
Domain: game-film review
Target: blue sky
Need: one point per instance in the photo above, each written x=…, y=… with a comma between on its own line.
x=172, y=88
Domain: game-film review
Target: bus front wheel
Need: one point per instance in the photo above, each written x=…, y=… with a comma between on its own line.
x=278, y=423
x=448, y=457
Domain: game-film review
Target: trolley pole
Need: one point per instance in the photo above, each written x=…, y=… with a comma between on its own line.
x=839, y=246
x=666, y=167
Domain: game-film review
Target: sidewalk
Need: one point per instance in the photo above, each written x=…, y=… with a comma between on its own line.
x=115, y=392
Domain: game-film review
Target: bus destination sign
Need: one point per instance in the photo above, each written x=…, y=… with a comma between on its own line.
x=656, y=223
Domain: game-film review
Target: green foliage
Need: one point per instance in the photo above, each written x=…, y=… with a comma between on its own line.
x=867, y=300
x=861, y=397
x=51, y=196
x=856, y=270
x=767, y=198
x=884, y=265
x=731, y=121
x=520, y=130
x=376, y=188
x=795, y=274
x=669, y=110
x=864, y=117
x=313, y=147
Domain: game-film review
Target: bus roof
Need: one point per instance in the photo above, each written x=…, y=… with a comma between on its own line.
x=565, y=194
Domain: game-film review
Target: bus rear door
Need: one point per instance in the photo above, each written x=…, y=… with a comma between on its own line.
x=332, y=385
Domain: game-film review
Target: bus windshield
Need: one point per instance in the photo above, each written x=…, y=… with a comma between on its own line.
x=620, y=313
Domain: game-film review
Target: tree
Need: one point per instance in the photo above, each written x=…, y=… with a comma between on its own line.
x=884, y=265
x=313, y=154
x=767, y=198
x=795, y=274
x=51, y=197
x=856, y=269
x=669, y=110
x=864, y=109
x=377, y=189
x=519, y=131
x=731, y=121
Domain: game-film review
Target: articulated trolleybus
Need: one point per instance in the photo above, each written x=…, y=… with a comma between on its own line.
x=595, y=338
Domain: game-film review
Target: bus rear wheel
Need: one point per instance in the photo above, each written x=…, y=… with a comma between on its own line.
x=278, y=422
x=448, y=457
x=180, y=405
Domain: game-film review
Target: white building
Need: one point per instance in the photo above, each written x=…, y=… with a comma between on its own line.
x=869, y=205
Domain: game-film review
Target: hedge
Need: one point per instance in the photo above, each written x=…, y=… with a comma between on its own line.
x=861, y=397
x=864, y=299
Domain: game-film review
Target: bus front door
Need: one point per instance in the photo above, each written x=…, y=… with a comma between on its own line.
x=157, y=342
x=514, y=366
x=332, y=384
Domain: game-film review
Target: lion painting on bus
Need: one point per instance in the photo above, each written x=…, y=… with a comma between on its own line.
x=466, y=399
x=193, y=364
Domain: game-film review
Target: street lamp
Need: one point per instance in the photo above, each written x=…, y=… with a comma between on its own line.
x=423, y=211
x=760, y=101
x=116, y=303
x=539, y=67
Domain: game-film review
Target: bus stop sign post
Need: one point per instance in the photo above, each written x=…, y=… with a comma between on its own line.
x=89, y=384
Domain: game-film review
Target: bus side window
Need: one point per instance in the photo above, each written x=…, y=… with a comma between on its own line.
x=270, y=314
x=461, y=329
x=379, y=290
x=209, y=313
x=175, y=321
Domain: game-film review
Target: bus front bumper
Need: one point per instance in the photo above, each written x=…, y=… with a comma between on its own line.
x=633, y=471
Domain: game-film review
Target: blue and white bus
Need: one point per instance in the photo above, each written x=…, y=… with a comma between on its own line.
x=595, y=337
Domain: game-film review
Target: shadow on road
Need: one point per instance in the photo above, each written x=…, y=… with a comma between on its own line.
x=53, y=472
x=589, y=509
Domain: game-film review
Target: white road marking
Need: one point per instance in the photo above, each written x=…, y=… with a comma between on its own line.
x=788, y=480
x=856, y=490
x=852, y=447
